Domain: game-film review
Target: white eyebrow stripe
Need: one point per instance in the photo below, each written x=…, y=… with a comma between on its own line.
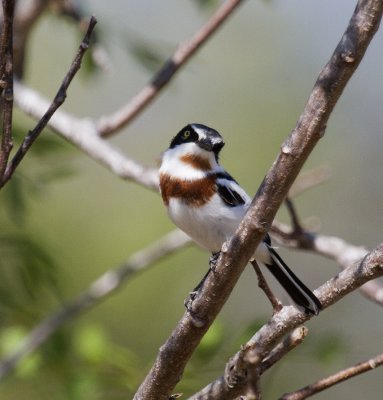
x=200, y=131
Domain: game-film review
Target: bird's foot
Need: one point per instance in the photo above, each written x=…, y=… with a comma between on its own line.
x=188, y=302
x=213, y=260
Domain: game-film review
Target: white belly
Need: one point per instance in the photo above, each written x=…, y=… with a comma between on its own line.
x=210, y=225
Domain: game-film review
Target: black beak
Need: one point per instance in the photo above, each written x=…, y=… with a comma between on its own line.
x=214, y=144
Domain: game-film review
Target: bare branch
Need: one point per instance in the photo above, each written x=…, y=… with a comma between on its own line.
x=6, y=78
x=253, y=375
x=111, y=124
x=57, y=102
x=290, y=342
x=334, y=379
x=83, y=134
x=179, y=347
x=275, y=303
x=262, y=345
x=97, y=292
x=331, y=247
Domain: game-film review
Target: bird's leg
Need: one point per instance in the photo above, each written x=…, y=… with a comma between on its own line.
x=192, y=295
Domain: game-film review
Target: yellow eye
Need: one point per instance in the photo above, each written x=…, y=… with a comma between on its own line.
x=186, y=135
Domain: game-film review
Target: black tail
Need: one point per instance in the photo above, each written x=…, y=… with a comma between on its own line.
x=296, y=289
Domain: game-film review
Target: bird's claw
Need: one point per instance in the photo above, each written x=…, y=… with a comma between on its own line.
x=213, y=260
x=188, y=302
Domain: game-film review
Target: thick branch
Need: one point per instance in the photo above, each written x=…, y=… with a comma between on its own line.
x=6, y=78
x=57, y=102
x=111, y=124
x=97, y=292
x=334, y=379
x=177, y=350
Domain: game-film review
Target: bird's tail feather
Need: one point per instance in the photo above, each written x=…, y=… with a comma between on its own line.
x=296, y=289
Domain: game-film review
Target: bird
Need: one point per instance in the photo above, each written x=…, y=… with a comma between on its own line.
x=207, y=203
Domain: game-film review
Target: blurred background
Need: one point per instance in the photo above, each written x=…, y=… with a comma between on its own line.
x=65, y=220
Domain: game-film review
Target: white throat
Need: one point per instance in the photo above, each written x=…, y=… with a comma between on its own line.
x=173, y=165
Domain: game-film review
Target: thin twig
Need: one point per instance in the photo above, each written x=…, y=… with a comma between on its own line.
x=97, y=292
x=334, y=379
x=111, y=124
x=57, y=102
x=6, y=78
x=275, y=303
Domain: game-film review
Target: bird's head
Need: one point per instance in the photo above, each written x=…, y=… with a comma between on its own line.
x=198, y=137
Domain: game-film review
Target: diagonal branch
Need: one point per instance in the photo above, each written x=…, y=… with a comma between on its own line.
x=331, y=247
x=111, y=124
x=98, y=291
x=174, y=354
x=83, y=134
x=290, y=342
x=334, y=379
x=57, y=102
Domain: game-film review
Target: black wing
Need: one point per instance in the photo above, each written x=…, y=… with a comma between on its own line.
x=229, y=190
